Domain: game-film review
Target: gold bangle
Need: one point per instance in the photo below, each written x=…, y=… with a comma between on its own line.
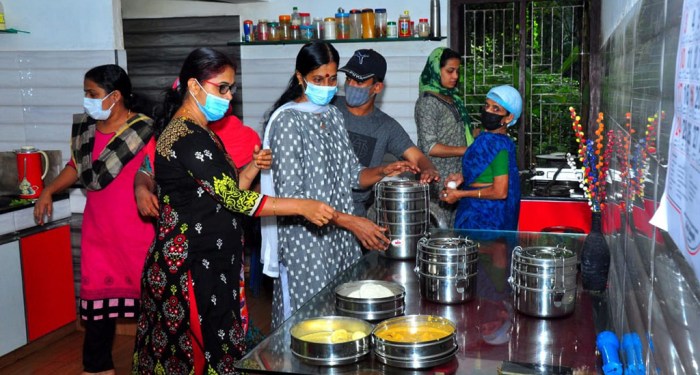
x=479, y=193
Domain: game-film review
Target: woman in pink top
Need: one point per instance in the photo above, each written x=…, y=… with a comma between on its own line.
x=107, y=149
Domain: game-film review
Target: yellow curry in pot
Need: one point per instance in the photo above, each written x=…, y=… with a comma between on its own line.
x=411, y=333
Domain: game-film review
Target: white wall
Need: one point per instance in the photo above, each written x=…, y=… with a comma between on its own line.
x=42, y=72
x=62, y=25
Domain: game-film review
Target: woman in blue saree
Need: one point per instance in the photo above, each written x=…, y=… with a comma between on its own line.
x=488, y=189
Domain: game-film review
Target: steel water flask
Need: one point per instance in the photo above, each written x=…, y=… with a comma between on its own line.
x=435, y=19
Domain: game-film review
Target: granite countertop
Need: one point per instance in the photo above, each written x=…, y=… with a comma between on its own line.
x=17, y=217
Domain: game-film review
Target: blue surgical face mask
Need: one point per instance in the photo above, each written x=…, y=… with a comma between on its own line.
x=356, y=96
x=93, y=108
x=320, y=95
x=214, y=107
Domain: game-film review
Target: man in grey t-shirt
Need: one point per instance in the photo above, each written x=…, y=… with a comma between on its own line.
x=372, y=132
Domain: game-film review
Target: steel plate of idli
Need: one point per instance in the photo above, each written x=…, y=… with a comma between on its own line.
x=370, y=299
x=331, y=340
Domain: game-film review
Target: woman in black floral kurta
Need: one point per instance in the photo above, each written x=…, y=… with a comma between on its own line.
x=197, y=254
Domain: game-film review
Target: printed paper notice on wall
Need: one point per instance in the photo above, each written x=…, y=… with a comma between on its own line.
x=679, y=210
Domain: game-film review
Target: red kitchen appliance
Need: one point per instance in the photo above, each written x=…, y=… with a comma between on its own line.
x=30, y=173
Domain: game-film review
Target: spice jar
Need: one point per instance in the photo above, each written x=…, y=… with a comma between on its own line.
x=247, y=31
x=262, y=30
x=405, y=25
x=295, y=33
x=307, y=32
x=317, y=28
x=329, y=28
x=305, y=18
x=423, y=28
x=355, y=24
x=285, y=27
x=392, y=30
x=342, y=25
x=273, y=31
x=368, y=23
x=380, y=23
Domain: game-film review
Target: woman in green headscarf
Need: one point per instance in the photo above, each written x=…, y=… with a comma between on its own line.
x=442, y=122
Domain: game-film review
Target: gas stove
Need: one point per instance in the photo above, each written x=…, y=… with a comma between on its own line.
x=557, y=182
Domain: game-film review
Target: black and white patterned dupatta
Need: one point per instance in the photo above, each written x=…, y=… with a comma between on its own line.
x=125, y=144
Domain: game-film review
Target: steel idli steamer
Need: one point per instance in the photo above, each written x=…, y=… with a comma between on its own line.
x=544, y=280
x=402, y=207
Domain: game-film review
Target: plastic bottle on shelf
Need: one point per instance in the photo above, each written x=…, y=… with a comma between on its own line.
x=392, y=30
x=423, y=28
x=355, y=24
x=248, y=35
x=295, y=19
x=342, y=24
x=329, y=28
x=404, y=25
x=263, y=31
x=307, y=32
x=368, y=24
x=318, y=28
x=285, y=27
x=2, y=17
x=305, y=18
x=295, y=33
x=273, y=31
x=380, y=23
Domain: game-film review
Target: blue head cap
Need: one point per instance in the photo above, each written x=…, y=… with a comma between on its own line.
x=509, y=98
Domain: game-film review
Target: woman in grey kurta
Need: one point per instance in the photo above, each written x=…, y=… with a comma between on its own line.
x=442, y=122
x=313, y=157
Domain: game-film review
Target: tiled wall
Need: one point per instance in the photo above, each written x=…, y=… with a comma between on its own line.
x=653, y=291
x=40, y=92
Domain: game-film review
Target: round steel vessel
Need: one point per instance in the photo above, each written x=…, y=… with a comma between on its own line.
x=544, y=280
x=416, y=353
x=446, y=269
x=403, y=208
x=370, y=308
x=330, y=354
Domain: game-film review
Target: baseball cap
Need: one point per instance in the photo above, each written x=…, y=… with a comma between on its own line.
x=365, y=64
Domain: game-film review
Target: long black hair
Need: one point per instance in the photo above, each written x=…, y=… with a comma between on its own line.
x=310, y=57
x=111, y=78
x=202, y=64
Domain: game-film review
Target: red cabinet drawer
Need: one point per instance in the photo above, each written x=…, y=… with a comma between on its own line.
x=538, y=215
x=47, y=272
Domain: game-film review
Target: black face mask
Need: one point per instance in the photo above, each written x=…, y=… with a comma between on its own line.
x=491, y=121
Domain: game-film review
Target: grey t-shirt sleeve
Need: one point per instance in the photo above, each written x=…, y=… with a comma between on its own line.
x=399, y=141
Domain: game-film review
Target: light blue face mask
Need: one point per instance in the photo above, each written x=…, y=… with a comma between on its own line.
x=320, y=95
x=214, y=107
x=93, y=108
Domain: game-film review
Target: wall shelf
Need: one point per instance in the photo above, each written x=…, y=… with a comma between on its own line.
x=334, y=41
x=13, y=31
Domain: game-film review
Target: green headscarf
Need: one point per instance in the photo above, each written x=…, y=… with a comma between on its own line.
x=430, y=81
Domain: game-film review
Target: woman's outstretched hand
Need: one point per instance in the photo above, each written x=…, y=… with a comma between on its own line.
x=317, y=212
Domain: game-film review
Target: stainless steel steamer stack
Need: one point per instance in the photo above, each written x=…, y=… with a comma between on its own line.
x=403, y=208
x=543, y=279
x=446, y=269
